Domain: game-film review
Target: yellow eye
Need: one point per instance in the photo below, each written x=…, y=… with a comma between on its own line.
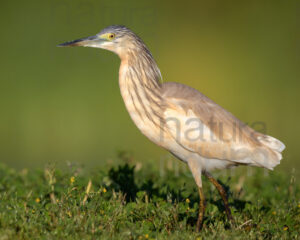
x=111, y=36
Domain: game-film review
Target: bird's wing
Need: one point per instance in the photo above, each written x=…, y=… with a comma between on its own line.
x=202, y=126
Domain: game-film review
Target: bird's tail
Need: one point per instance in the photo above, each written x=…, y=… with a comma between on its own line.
x=273, y=148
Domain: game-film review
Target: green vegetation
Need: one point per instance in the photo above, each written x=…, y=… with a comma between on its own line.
x=128, y=203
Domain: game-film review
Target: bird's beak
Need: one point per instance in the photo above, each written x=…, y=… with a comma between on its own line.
x=91, y=41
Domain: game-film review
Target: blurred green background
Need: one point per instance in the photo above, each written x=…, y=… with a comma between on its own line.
x=61, y=105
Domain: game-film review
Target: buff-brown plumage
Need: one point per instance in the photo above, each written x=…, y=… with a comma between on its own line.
x=181, y=119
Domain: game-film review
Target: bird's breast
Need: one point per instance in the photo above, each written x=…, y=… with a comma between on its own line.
x=143, y=107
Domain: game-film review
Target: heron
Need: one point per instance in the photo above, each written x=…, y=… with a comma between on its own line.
x=180, y=119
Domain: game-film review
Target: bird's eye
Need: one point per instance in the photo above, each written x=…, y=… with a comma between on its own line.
x=111, y=36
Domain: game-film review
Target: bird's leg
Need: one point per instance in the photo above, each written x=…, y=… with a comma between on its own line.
x=223, y=194
x=201, y=209
x=195, y=168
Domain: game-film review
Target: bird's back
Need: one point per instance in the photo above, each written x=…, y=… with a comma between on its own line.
x=221, y=134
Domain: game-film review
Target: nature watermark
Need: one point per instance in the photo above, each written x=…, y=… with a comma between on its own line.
x=86, y=12
x=216, y=145
x=194, y=129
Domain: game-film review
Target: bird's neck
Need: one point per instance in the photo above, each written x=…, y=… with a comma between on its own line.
x=139, y=80
x=139, y=66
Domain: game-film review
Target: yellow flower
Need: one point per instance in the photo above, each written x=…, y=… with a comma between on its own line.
x=33, y=211
x=69, y=213
x=72, y=179
x=187, y=200
x=104, y=190
x=198, y=238
x=274, y=213
x=285, y=228
x=299, y=205
x=146, y=236
x=37, y=200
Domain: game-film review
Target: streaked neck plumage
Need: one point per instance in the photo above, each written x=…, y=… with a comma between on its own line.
x=139, y=80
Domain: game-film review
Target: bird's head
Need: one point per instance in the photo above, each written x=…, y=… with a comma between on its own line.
x=115, y=38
